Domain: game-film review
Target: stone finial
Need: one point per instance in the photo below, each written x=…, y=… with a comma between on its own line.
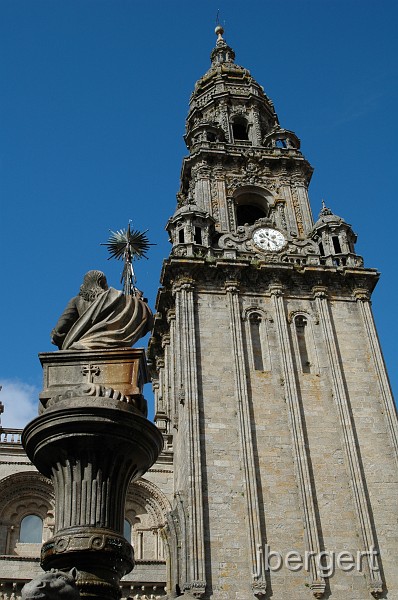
x=222, y=52
x=219, y=30
x=325, y=210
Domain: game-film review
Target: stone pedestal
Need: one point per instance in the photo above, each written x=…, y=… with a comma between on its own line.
x=91, y=439
x=124, y=371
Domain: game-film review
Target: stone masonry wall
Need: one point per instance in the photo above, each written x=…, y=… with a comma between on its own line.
x=229, y=563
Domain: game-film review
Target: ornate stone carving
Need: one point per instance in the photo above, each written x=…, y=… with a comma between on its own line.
x=147, y=494
x=276, y=289
x=179, y=251
x=293, y=313
x=259, y=588
x=320, y=292
x=215, y=208
x=297, y=211
x=197, y=588
x=361, y=294
x=318, y=588
x=99, y=391
x=376, y=588
x=254, y=175
x=53, y=585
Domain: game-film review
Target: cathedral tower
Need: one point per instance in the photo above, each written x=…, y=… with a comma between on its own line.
x=270, y=382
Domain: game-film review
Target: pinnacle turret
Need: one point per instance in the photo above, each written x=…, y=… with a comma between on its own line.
x=222, y=52
x=336, y=239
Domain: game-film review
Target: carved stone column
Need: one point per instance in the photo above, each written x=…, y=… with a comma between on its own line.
x=255, y=542
x=185, y=331
x=349, y=440
x=363, y=300
x=301, y=458
x=91, y=440
x=171, y=367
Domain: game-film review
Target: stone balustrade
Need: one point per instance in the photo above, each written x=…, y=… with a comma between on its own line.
x=10, y=436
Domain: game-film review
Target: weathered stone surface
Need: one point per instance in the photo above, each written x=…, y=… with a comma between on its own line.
x=119, y=374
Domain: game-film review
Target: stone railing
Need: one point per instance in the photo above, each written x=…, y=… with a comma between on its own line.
x=10, y=436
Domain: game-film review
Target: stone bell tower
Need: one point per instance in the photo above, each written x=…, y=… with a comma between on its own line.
x=270, y=380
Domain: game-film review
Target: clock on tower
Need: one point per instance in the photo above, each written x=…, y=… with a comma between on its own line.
x=269, y=378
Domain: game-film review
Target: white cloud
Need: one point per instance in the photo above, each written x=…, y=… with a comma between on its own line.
x=20, y=402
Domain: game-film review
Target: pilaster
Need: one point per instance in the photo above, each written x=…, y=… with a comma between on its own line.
x=301, y=458
x=352, y=453
x=185, y=326
x=363, y=300
x=255, y=541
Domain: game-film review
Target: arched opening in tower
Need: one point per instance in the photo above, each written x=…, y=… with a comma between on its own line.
x=248, y=214
x=240, y=129
x=251, y=204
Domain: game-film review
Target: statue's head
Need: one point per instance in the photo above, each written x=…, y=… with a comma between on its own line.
x=52, y=585
x=94, y=284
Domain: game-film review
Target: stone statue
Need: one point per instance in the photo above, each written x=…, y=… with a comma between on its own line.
x=52, y=585
x=100, y=317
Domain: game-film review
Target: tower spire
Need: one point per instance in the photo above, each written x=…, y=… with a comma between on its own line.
x=222, y=52
x=325, y=210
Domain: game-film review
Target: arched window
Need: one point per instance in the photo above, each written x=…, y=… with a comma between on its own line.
x=127, y=530
x=31, y=530
x=250, y=206
x=257, y=342
x=254, y=325
x=301, y=326
x=249, y=214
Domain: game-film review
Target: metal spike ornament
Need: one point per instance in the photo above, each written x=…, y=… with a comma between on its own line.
x=128, y=245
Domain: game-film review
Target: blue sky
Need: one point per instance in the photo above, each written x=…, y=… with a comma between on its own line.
x=93, y=101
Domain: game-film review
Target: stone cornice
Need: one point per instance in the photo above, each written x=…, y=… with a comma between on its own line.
x=221, y=151
x=205, y=274
x=254, y=277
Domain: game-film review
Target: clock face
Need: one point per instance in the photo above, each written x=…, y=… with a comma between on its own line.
x=268, y=239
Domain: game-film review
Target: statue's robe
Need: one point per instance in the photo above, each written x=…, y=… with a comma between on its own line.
x=113, y=320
